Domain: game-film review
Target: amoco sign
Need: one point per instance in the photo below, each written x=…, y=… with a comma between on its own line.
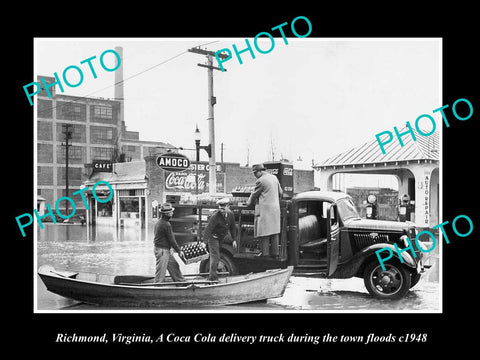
x=173, y=162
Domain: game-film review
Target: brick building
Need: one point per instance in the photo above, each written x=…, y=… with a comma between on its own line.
x=98, y=132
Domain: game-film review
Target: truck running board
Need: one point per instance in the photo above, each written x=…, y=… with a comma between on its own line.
x=318, y=269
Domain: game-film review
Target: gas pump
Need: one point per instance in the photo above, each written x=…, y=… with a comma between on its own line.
x=405, y=208
x=372, y=207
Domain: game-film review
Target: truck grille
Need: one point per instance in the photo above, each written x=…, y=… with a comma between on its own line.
x=363, y=239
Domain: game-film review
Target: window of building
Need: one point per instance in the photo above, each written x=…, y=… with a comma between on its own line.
x=78, y=132
x=104, y=209
x=129, y=208
x=100, y=153
x=100, y=134
x=44, y=175
x=71, y=111
x=74, y=173
x=131, y=192
x=75, y=154
x=44, y=153
x=44, y=108
x=102, y=113
x=44, y=130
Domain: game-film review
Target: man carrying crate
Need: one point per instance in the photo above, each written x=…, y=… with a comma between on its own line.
x=164, y=241
x=220, y=225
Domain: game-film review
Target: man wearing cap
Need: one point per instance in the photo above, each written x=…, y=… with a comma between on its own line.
x=221, y=225
x=164, y=241
x=266, y=198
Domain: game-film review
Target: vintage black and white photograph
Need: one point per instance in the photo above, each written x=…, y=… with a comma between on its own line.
x=275, y=174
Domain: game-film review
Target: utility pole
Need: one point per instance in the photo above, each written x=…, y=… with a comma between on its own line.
x=212, y=100
x=68, y=135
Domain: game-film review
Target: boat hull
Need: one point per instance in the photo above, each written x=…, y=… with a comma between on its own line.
x=232, y=290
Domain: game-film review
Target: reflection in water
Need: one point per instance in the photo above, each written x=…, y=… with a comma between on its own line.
x=96, y=249
x=108, y=250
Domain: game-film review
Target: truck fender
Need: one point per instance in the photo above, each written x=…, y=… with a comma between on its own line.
x=356, y=265
x=406, y=256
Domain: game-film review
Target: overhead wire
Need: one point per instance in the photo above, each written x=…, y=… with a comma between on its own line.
x=122, y=81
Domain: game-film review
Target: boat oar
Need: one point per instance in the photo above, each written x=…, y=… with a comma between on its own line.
x=169, y=283
x=123, y=279
x=204, y=274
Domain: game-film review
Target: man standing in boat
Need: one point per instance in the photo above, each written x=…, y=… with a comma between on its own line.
x=221, y=225
x=165, y=242
x=266, y=199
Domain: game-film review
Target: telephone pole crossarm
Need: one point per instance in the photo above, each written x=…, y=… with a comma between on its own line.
x=208, y=53
x=210, y=67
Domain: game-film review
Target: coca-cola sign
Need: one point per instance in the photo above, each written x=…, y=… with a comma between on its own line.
x=186, y=181
x=173, y=162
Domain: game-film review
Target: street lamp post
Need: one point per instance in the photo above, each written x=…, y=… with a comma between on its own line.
x=197, y=148
x=207, y=148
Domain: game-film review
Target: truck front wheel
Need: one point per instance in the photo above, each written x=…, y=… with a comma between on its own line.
x=391, y=283
x=225, y=264
x=415, y=278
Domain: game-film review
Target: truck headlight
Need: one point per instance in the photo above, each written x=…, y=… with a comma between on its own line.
x=405, y=240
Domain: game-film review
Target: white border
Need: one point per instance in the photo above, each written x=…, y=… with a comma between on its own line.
x=237, y=311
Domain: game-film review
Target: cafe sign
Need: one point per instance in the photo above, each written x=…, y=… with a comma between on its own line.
x=173, y=162
x=102, y=166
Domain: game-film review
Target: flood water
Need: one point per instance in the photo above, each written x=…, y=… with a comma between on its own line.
x=106, y=250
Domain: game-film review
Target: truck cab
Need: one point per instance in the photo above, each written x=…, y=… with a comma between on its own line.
x=328, y=238
x=322, y=235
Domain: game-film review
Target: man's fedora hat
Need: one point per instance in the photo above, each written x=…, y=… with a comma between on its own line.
x=223, y=202
x=258, y=167
x=166, y=208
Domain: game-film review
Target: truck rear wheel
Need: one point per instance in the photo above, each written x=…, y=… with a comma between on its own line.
x=391, y=283
x=225, y=264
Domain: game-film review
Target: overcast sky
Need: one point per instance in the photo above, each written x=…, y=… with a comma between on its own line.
x=312, y=98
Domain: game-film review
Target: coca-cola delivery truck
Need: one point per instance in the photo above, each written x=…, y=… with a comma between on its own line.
x=322, y=235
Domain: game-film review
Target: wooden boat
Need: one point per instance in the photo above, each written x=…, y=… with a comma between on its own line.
x=141, y=291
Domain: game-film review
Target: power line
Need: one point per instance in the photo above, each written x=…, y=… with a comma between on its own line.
x=124, y=80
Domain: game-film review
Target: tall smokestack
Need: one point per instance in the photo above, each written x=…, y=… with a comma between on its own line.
x=119, y=75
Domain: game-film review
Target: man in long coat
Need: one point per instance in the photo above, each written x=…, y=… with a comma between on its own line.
x=266, y=197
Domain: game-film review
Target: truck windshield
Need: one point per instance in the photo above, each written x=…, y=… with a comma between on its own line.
x=346, y=209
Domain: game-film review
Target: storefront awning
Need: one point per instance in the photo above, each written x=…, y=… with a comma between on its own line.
x=123, y=173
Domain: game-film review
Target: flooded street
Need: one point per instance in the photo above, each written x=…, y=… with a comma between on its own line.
x=106, y=250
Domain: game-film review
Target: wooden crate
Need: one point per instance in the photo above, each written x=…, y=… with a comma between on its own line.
x=194, y=252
